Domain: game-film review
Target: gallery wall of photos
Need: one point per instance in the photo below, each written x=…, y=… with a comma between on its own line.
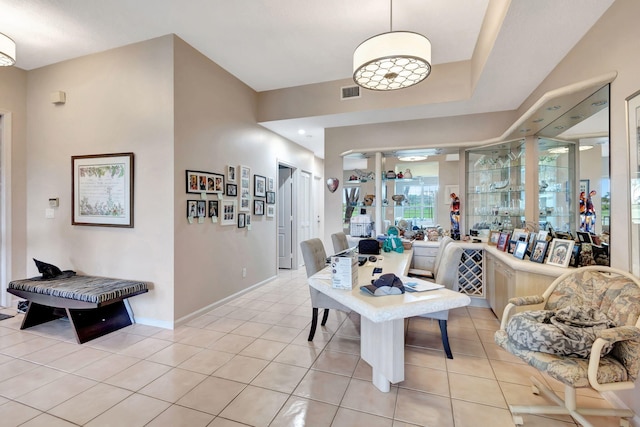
x=227, y=198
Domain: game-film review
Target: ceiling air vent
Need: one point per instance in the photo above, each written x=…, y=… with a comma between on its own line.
x=349, y=92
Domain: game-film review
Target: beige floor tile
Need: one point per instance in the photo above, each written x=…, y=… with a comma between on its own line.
x=337, y=363
x=203, y=338
x=344, y=345
x=322, y=386
x=298, y=411
x=425, y=357
x=28, y=381
x=4, y=358
x=245, y=410
x=475, y=414
x=280, y=377
x=243, y=314
x=469, y=365
x=178, y=416
x=79, y=359
x=241, y=368
x=145, y=348
x=417, y=408
x=486, y=335
x=470, y=348
x=115, y=342
x=224, y=325
x=281, y=334
x=232, y=343
x=252, y=329
x=107, y=367
x=173, y=385
x=487, y=324
x=56, y=392
x=295, y=321
x=516, y=394
x=428, y=340
x=134, y=411
x=14, y=413
x=137, y=376
x=89, y=404
x=53, y=352
x=46, y=420
x=29, y=346
x=223, y=422
x=174, y=354
x=144, y=330
x=201, y=321
x=349, y=418
x=15, y=367
x=495, y=352
x=298, y=355
x=363, y=396
x=363, y=371
x=263, y=349
x=426, y=380
x=475, y=389
x=282, y=308
x=177, y=334
x=211, y=395
x=515, y=372
x=270, y=318
x=206, y=361
x=14, y=338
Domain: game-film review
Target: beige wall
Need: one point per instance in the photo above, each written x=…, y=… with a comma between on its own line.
x=215, y=126
x=13, y=153
x=117, y=101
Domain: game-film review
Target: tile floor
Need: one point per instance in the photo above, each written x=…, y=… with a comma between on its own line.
x=248, y=362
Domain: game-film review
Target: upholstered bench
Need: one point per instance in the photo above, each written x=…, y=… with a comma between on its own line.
x=94, y=305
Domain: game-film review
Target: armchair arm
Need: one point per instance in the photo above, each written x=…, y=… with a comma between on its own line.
x=528, y=300
x=609, y=336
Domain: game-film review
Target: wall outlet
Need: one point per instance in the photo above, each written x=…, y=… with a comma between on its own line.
x=244, y=271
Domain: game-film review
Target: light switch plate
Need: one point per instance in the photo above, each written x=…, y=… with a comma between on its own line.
x=49, y=213
x=54, y=203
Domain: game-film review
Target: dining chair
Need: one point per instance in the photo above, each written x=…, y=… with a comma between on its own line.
x=340, y=242
x=448, y=277
x=315, y=259
x=426, y=274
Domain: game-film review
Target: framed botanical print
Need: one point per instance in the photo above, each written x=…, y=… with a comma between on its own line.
x=229, y=212
x=259, y=186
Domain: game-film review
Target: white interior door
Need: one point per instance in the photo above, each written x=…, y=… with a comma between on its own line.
x=285, y=217
x=305, y=197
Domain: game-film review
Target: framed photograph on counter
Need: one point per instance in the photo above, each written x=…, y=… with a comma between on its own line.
x=560, y=251
x=539, y=251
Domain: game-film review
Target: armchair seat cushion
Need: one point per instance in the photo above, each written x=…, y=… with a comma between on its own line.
x=568, y=370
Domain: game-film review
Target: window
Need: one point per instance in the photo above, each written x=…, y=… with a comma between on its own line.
x=421, y=204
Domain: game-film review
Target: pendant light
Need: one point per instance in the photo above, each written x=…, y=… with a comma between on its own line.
x=7, y=51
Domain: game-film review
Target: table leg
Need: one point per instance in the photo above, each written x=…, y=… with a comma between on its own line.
x=382, y=347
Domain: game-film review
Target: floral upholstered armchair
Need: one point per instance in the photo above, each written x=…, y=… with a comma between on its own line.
x=587, y=335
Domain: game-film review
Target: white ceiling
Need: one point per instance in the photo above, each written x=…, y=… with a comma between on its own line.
x=272, y=44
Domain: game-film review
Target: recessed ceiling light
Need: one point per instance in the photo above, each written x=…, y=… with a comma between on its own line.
x=538, y=120
x=525, y=130
x=412, y=158
x=301, y=131
x=578, y=117
x=559, y=150
x=560, y=127
x=586, y=147
x=555, y=107
x=599, y=103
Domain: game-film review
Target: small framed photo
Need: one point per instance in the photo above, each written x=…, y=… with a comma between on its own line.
x=270, y=184
x=539, y=251
x=258, y=207
x=520, y=250
x=232, y=190
x=584, y=237
x=271, y=197
x=271, y=211
x=532, y=242
x=229, y=212
x=519, y=234
x=247, y=220
x=245, y=188
x=494, y=235
x=213, y=208
x=503, y=241
x=560, y=251
x=231, y=173
x=512, y=246
x=204, y=182
x=242, y=220
x=196, y=208
x=575, y=255
x=259, y=186
x=543, y=235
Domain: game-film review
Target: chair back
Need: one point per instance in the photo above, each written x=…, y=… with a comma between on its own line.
x=448, y=272
x=436, y=263
x=314, y=255
x=340, y=242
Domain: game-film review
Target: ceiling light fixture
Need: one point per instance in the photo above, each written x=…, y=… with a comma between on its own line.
x=559, y=150
x=7, y=51
x=412, y=158
x=585, y=147
x=392, y=60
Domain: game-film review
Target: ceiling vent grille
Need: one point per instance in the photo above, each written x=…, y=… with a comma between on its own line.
x=349, y=92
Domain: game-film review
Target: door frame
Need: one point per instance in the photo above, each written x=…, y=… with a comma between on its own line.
x=5, y=205
x=294, y=212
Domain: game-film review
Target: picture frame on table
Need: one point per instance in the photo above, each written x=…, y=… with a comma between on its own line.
x=521, y=249
x=575, y=255
x=213, y=208
x=258, y=207
x=560, y=251
x=242, y=217
x=229, y=212
x=503, y=241
x=259, y=186
x=584, y=237
x=512, y=246
x=539, y=251
x=494, y=236
x=231, y=173
x=102, y=190
x=245, y=188
x=232, y=190
x=271, y=211
x=204, y=182
x=271, y=197
x=531, y=242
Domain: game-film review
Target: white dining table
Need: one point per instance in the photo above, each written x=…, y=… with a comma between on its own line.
x=382, y=317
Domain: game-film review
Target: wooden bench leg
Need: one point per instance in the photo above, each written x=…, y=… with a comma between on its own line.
x=37, y=314
x=93, y=323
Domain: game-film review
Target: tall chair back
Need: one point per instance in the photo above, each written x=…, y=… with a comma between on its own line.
x=340, y=242
x=314, y=255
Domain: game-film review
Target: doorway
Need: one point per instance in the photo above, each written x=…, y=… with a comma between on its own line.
x=5, y=206
x=285, y=217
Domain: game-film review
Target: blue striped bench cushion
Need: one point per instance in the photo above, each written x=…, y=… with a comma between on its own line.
x=82, y=288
